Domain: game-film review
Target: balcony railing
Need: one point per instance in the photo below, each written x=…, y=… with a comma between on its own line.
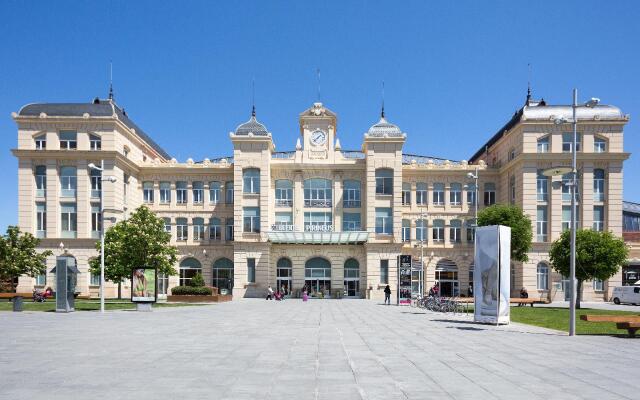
x=283, y=155
x=317, y=203
x=352, y=154
x=284, y=202
x=351, y=203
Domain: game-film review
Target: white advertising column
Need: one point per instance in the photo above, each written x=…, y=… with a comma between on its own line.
x=491, y=275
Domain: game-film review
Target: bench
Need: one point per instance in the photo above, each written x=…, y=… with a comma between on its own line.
x=11, y=296
x=518, y=300
x=629, y=322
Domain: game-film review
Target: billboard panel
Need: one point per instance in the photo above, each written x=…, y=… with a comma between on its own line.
x=404, y=279
x=144, y=287
x=491, y=276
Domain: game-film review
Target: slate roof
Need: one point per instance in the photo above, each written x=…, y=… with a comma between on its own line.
x=99, y=108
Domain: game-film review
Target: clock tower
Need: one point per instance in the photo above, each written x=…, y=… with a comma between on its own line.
x=318, y=130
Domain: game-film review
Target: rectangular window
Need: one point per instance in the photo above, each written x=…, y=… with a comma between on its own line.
x=198, y=192
x=181, y=192
x=471, y=230
x=95, y=143
x=566, y=217
x=455, y=231
x=542, y=186
x=542, y=277
x=317, y=193
x=41, y=181
x=228, y=187
x=215, y=230
x=455, y=194
x=406, y=230
x=229, y=230
x=384, y=272
x=598, y=218
x=167, y=225
x=41, y=279
x=68, y=181
x=421, y=193
x=543, y=144
x=406, y=194
x=284, y=222
x=421, y=230
x=541, y=224
x=566, y=188
x=68, y=140
x=512, y=189
x=41, y=142
x=165, y=192
x=215, y=192
x=94, y=280
x=598, y=285
x=384, y=181
x=567, y=142
x=351, y=194
x=489, y=194
x=252, y=219
x=41, y=220
x=147, y=192
x=351, y=222
x=198, y=229
x=438, y=230
x=251, y=180
x=96, y=221
x=438, y=194
x=96, y=183
x=69, y=220
x=384, y=221
x=251, y=270
x=284, y=193
x=598, y=185
x=599, y=145
x=182, y=229
x=471, y=194
x=318, y=221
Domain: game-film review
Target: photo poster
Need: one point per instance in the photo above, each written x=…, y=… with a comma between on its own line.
x=491, y=274
x=144, y=285
x=404, y=280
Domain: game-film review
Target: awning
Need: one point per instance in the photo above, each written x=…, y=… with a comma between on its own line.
x=353, y=237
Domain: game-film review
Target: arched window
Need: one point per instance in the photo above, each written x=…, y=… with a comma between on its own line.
x=438, y=230
x=455, y=231
x=455, y=194
x=214, y=192
x=406, y=193
x=284, y=263
x=95, y=143
x=598, y=185
x=421, y=193
x=351, y=194
x=438, y=194
x=317, y=192
x=198, y=228
x=384, y=181
x=68, y=181
x=189, y=267
x=317, y=267
x=223, y=274
x=489, y=193
x=421, y=230
x=214, y=229
x=284, y=193
x=251, y=180
x=198, y=192
x=41, y=141
x=542, y=274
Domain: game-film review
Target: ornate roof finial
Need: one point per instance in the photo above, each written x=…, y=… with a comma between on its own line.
x=253, y=97
x=382, y=112
x=528, y=85
x=110, y=80
x=318, y=73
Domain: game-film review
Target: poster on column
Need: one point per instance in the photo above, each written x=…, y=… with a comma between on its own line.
x=404, y=279
x=491, y=275
x=144, y=286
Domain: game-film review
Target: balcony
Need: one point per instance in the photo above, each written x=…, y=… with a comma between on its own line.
x=284, y=202
x=321, y=203
x=351, y=203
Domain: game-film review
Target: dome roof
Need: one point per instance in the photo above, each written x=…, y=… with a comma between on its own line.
x=384, y=128
x=252, y=126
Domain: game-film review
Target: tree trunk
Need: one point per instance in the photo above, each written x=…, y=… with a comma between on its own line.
x=119, y=290
x=578, y=294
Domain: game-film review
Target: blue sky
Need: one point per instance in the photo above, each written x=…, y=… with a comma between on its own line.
x=454, y=71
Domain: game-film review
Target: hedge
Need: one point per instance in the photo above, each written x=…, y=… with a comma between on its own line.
x=191, y=291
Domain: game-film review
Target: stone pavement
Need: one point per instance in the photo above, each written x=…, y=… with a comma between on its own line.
x=322, y=349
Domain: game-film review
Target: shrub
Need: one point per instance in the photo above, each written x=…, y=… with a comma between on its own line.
x=197, y=280
x=191, y=291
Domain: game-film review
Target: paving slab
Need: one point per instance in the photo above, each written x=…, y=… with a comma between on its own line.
x=324, y=349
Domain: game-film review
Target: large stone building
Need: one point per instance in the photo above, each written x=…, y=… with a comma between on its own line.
x=319, y=216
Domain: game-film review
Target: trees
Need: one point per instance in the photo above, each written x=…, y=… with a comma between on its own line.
x=599, y=255
x=18, y=256
x=139, y=241
x=517, y=220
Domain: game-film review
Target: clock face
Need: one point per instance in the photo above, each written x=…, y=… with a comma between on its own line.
x=318, y=138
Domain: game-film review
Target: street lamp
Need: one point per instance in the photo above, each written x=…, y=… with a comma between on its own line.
x=111, y=179
x=572, y=190
x=423, y=217
x=474, y=176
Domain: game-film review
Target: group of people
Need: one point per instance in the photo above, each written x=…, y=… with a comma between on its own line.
x=276, y=295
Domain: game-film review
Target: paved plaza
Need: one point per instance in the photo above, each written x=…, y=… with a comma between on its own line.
x=322, y=349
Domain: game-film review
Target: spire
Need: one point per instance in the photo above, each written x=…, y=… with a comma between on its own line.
x=528, y=85
x=318, y=73
x=382, y=112
x=253, y=97
x=110, y=80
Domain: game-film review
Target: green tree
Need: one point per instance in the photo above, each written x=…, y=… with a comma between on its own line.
x=599, y=255
x=18, y=256
x=517, y=220
x=139, y=241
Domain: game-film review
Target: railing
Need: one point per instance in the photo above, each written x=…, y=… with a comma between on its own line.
x=283, y=155
x=352, y=154
x=282, y=228
x=284, y=202
x=408, y=159
x=351, y=203
x=351, y=227
x=317, y=203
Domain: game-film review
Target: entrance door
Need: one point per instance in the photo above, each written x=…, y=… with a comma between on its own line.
x=447, y=278
x=352, y=288
x=317, y=274
x=284, y=275
x=318, y=287
x=352, y=278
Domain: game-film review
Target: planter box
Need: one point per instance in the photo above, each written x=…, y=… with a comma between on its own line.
x=199, y=299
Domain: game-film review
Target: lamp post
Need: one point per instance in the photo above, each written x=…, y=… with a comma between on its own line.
x=102, y=179
x=474, y=176
x=423, y=217
x=572, y=190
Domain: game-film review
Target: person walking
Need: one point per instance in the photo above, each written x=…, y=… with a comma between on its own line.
x=269, y=293
x=387, y=295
